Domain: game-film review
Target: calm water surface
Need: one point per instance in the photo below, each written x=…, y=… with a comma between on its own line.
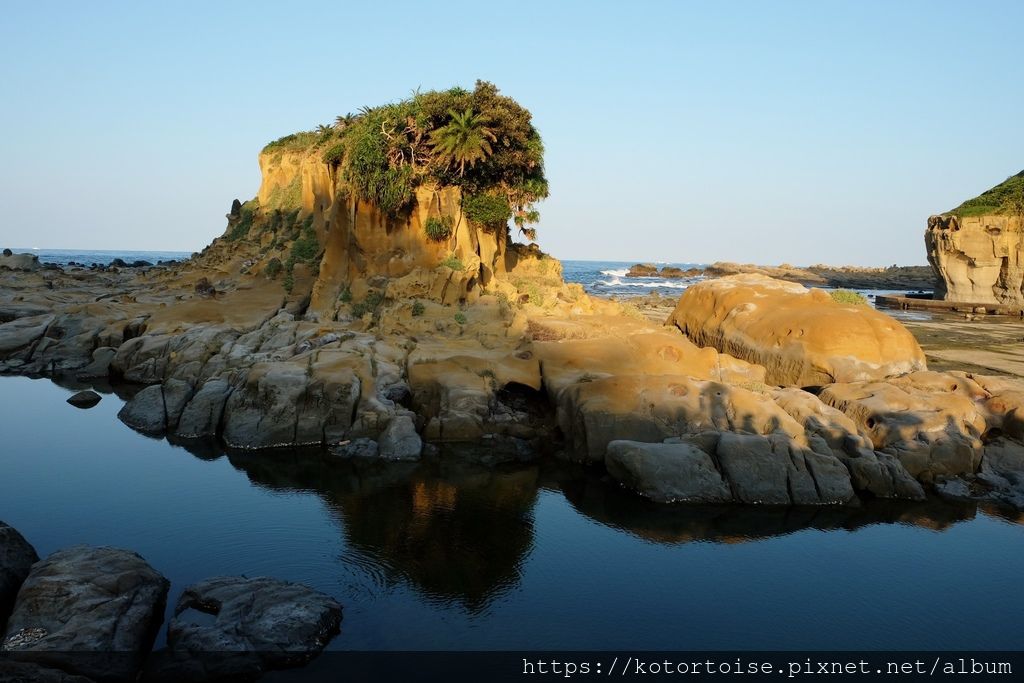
x=446, y=554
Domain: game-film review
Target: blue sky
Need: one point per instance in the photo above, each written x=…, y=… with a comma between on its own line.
x=750, y=131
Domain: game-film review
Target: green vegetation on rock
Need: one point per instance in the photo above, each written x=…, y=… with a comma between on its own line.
x=1006, y=198
x=479, y=140
x=305, y=249
x=438, y=228
x=848, y=296
x=453, y=262
x=489, y=210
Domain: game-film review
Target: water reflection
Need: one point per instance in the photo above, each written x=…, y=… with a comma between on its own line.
x=460, y=531
x=454, y=529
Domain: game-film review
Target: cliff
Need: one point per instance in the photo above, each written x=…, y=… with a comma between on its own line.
x=977, y=249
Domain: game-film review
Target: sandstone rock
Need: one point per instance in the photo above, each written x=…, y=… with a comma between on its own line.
x=177, y=394
x=84, y=399
x=100, y=365
x=292, y=403
x=400, y=440
x=23, y=262
x=360, y=447
x=667, y=473
x=977, y=259
x=145, y=412
x=253, y=624
x=16, y=558
x=85, y=600
x=928, y=421
x=201, y=416
x=802, y=337
x=18, y=336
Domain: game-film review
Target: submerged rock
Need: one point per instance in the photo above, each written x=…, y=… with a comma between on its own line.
x=84, y=399
x=88, y=610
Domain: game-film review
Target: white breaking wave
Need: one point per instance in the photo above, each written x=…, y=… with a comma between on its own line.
x=615, y=273
x=648, y=283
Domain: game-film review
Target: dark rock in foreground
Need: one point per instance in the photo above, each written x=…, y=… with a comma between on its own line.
x=84, y=399
x=250, y=624
x=16, y=558
x=88, y=610
x=25, y=672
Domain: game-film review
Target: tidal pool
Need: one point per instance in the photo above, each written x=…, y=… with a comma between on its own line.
x=448, y=554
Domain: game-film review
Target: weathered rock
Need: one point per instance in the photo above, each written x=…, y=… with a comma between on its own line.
x=25, y=262
x=84, y=399
x=201, y=416
x=831, y=432
x=930, y=422
x=100, y=365
x=977, y=259
x=801, y=336
x=361, y=447
x=231, y=626
x=83, y=600
x=176, y=394
x=400, y=440
x=292, y=403
x=18, y=336
x=16, y=558
x=12, y=671
x=145, y=411
x=667, y=472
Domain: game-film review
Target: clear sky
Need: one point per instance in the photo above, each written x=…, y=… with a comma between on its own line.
x=804, y=132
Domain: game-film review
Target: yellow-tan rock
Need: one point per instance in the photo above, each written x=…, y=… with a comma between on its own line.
x=801, y=336
x=978, y=259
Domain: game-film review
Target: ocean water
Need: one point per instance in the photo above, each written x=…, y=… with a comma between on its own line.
x=446, y=554
x=63, y=257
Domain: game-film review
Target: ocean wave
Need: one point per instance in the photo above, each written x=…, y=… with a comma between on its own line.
x=646, y=282
x=615, y=273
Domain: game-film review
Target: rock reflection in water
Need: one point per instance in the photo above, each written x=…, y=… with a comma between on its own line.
x=454, y=529
x=460, y=531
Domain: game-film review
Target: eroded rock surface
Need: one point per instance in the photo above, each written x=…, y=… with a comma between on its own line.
x=801, y=336
x=88, y=610
x=978, y=259
x=16, y=558
x=235, y=626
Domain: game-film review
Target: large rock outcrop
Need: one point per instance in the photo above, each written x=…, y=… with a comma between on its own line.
x=88, y=610
x=801, y=336
x=977, y=259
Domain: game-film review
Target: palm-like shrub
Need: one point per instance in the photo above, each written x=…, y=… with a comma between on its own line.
x=466, y=139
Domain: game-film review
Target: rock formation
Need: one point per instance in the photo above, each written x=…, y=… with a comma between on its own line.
x=978, y=259
x=318, y=319
x=977, y=249
x=801, y=336
x=90, y=611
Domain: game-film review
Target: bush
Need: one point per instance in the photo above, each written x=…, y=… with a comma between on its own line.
x=452, y=261
x=371, y=304
x=460, y=318
x=418, y=309
x=346, y=295
x=846, y=296
x=334, y=154
x=273, y=268
x=438, y=228
x=489, y=210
